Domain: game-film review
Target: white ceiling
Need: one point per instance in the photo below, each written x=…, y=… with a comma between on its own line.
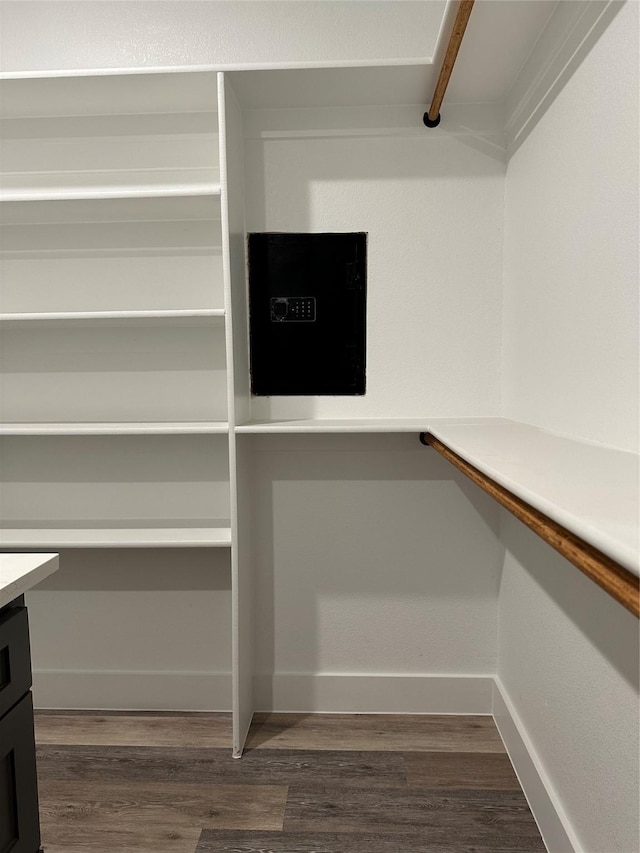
x=499, y=38
x=397, y=37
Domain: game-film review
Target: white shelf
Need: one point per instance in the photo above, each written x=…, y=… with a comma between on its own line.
x=590, y=489
x=350, y=425
x=326, y=425
x=196, y=316
x=115, y=537
x=122, y=191
x=177, y=428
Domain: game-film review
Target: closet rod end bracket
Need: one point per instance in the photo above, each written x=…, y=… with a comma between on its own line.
x=424, y=439
x=431, y=122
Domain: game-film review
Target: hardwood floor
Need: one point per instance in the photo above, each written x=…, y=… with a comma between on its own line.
x=166, y=783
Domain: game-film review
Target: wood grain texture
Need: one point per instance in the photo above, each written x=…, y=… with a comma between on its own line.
x=144, y=729
x=216, y=766
x=118, y=815
x=98, y=798
x=466, y=817
x=611, y=576
x=460, y=770
x=455, y=40
x=344, y=842
x=377, y=732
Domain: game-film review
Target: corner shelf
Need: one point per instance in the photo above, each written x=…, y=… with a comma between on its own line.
x=332, y=425
x=131, y=428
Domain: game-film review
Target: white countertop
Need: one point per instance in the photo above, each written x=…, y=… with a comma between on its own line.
x=20, y=572
x=590, y=489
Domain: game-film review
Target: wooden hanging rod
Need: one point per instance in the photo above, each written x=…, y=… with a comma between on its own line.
x=432, y=117
x=620, y=583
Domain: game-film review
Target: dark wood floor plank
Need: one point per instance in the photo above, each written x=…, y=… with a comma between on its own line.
x=216, y=766
x=162, y=783
x=406, y=732
x=213, y=841
x=471, y=770
x=140, y=729
x=118, y=815
x=435, y=814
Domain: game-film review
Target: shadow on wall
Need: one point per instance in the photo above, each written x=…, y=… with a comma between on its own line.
x=609, y=628
x=369, y=562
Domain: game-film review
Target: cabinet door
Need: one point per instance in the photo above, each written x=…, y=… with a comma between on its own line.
x=19, y=819
x=15, y=657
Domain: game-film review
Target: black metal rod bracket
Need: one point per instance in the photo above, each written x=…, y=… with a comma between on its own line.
x=431, y=122
x=423, y=439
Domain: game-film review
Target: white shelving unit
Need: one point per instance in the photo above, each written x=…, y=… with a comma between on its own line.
x=113, y=314
x=126, y=415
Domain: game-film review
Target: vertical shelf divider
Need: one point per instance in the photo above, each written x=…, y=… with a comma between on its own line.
x=234, y=269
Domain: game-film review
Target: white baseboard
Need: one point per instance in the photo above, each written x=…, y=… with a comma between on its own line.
x=386, y=694
x=545, y=805
x=116, y=690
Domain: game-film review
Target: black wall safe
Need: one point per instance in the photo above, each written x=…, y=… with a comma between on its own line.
x=307, y=306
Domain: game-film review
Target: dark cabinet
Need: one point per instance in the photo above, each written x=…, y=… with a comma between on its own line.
x=19, y=820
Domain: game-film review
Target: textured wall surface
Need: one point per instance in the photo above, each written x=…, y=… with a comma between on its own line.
x=360, y=565
x=567, y=653
x=568, y=658
x=433, y=298
x=76, y=34
x=570, y=331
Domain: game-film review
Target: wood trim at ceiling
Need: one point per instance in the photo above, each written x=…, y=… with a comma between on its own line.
x=613, y=578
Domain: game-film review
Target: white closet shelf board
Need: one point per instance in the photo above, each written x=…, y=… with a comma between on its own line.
x=121, y=191
x=115, y=537
x=326, y=425
x=186, y=316
x=353, y=425
x=20, y=572
x=590, y=489
x=132, y=428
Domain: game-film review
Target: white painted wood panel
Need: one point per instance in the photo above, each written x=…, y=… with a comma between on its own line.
x=116, y=537
x=233, y=242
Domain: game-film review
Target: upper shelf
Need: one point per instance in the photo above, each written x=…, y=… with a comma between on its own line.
x=332, y=425
x=74, y=190
x=185, y=316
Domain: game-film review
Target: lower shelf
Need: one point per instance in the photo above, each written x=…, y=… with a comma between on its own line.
x=216, y=536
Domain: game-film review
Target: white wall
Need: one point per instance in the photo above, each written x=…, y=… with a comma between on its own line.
x=138, y=628
x=567, y=653
x=570, y=323
x=432, y=206
x=362, y=575
x=76, y=34
x=568, y=661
